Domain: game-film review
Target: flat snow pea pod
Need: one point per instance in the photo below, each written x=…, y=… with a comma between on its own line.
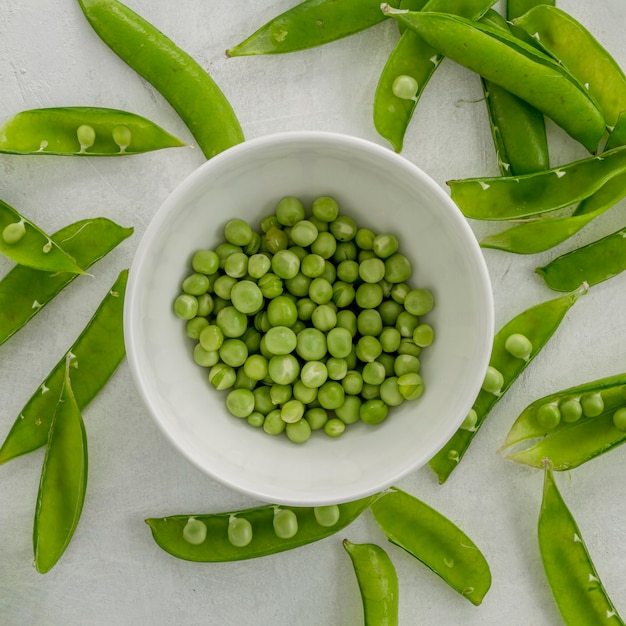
x=26, y=244
x=573, y=440
x=63, y=481
x=593, y=263
x=573, y=578
x=434, y=540
x=562, y=36
x=309, y=24
x=188, y=88
x=514, y=65
x=537, y=324
x=408, y=70
x=378, y=583
x=168, y=532
x=24, y=291
x=97, y=352
x=514, y=197
x=82, y=131
x=515, y=8
x=517, y=128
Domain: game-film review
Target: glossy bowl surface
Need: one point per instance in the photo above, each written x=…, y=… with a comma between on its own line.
x=382, y=191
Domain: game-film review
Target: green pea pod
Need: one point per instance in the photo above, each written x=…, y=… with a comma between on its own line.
x=537, y=324
x=24, y=291
x=378, y=583
x=568, y=41
x=573, y=578
x=188, y=88
x=568, y=444
x=213, y=544
x=414, y=60
x=515, y=8
x=82, y=131
x=97, y=352
x=309, y=24
x=26, y=244
x=63, y=481
x=516, y=66
x=515, y=197
x=518, y=129
x=435, y=541
x=542, y=233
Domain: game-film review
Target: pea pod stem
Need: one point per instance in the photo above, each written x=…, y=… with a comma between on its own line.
x=188, y=88
x=25, y=291
x=435, y=541
x=568, y=444
x=97, y=352
x=378, y=583
x=538, y=324
x=573, y=578
x=59, y=131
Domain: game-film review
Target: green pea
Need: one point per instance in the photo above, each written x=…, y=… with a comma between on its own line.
x=301, y=392
x=275, y=239
x=316, y=417
x=223, y=286
x=312, y=265
x=327, y=516
x=292, y=411
x=324, y=317
x=225, y=249
x=331, y=395
x=298, y=432
x=311, y=344
x=258, y=265
x=205, y=262
x=389, y=339
x=548, y=415
x=385, y=245
x=364, y=238
x=222, y=376
x=282, y=311
x=285, y=264
x=571, y=410
x=205, y=358
x=13, y=233
x=255, y=367
x=469, y=423
x=240, y=402
x=270, y=285
x=369, y=322
x=195, y=326
x=238, y=232
x=398, y=268
x=405, y=87
x=186, y=306
x=390, y=392
x=206, y=304
x=493, y=381
x=337, y=368
x=284, y=369
x=368, y=348
x=304, y=233
x=352, y=382
x=373, y=411
x=263, y=402
x=348, y=271
x=592, y=404
x=349, y=412
x=406, y=364
x=325, y=209
x=423, y=335
x=320, y=290
x=211, y=337
x=406, y=324
x=236, y=265
x=348, y=320
x=368, y=295
x=334, y=427
x=246, y=297
x=419, y=301
x=325, y=245
x=233, y=323
x=389, y=311
x=289, y=210
x=373, y=373
x=194, y=531
x=280, y=340
x=280, y=393
x=411, y=385
x=274, y=423
x=619, y=419
x=239, y=531
x=256, y=419
x=519, y=346
x=343, y=294
x=372, y=270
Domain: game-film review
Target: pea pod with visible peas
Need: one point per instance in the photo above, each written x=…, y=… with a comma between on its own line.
x=82, y=131
x=573, y=578
x=309, y=24
x=188, y=88
x=572, y=426
x=250, y=533
x=516, y=66
x=408, y=70
x=435, y=541
x=378, y=583
x=26, y=244
x=97, y=352
x=515, y=345
x=63, y=480
x=25, y=291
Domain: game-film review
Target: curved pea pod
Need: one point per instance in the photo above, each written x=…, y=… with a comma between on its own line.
x=96, y=354
x=378, y=583
x=515, y=8
x=573, y=578
x=309, y=24
x=514, y=65
x=515, y=197
x=568, y=41
x=213, y=543
x=25, y=291
x=415, y=61
x=26, y=244
x=63, y=481
x=537, y=324
x=435, y=541
x=568, y=444
x=188, y=88
x=82, y=131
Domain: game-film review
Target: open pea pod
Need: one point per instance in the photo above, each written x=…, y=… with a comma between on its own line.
x=408, y=70
x=434, y=540
x=569, y=427
x=25, y=291
x=26, y=244
x=515, y=197
x=63, y=481
x=96, y=353
x=309, y=24
x=82, y=131
x=250, y=533
x=515, y=345
x=516, y=66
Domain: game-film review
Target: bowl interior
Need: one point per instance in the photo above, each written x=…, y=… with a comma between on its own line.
x=382, y=191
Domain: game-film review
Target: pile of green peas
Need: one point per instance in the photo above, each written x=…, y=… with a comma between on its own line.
x=309, y=324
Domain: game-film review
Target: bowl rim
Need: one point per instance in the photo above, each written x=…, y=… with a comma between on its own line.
x=187, y=183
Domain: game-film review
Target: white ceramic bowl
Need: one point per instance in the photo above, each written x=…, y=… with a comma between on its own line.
x=382, y=191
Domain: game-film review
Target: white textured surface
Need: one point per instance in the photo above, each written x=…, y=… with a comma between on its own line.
x=112, y=572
